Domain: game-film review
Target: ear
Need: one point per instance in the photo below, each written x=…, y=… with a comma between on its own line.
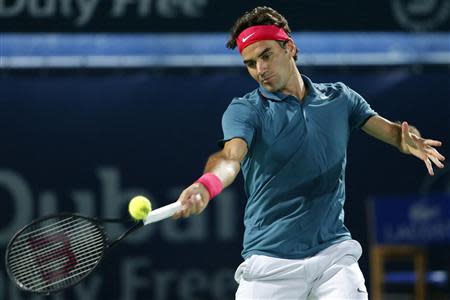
x=291, y=47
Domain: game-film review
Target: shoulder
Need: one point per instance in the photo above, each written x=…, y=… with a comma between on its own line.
x=248, y=103
x=331, y=90
x=252, y=98
x=243, y=108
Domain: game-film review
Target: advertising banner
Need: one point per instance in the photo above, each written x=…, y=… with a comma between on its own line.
x=218, y=16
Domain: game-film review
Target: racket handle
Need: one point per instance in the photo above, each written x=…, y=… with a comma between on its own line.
x=162, y=213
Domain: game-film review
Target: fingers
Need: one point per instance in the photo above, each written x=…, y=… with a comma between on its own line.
x=436, y=161
x=405, y=126
x=429, y=166
x=431, y=152
x=197, y=204
x=193, y=201
x=405, y=130
x=433, y=143
x=427, y=153
x=408, y=140
x=435, y=157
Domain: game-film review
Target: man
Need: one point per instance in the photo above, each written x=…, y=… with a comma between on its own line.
x=290, y=136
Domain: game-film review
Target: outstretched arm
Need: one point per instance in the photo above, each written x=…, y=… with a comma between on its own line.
x=407, y=139
x=224, y=164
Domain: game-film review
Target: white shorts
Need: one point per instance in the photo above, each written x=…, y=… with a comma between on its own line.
x=332, y=274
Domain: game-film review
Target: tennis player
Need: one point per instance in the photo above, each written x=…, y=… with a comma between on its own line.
x=289, y=136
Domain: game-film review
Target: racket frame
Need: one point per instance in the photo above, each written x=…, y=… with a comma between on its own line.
x=104, y=238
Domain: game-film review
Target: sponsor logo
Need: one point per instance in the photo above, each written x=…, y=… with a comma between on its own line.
x=247, y=37
x=421, y=15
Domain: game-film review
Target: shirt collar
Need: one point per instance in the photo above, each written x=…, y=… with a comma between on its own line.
x=279, y=96
x=276, y=96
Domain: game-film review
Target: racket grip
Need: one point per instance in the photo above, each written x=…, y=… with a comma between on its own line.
x=162, y=213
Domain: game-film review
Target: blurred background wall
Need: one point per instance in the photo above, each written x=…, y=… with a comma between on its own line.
x=102, y=100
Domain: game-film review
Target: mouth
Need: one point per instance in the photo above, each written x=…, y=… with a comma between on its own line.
x=267, y=78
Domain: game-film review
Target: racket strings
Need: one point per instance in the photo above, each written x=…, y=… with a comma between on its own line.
x=51, y=248
x=59, y=267
x=38, y=229
x=55, y=253
x=53, y=263
x=34, y=283
x=37, y=284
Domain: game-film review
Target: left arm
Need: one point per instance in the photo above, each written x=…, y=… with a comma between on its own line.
x=406, y=140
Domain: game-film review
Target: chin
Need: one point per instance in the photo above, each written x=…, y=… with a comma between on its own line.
x=271, y=88
x=268, y=87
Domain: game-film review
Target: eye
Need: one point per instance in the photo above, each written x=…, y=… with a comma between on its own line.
x=251, y=64
x=266, y=56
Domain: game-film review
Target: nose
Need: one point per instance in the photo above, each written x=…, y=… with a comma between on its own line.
x=261, y=67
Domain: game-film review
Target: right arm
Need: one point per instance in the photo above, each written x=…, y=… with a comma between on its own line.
x=225, y=164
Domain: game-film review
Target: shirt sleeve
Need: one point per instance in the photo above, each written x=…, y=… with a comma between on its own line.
x=359, y=110
x=239, y=121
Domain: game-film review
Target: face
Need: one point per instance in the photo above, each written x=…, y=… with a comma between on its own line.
x=269, y=64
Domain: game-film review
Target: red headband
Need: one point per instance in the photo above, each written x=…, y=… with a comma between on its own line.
x=258, y=33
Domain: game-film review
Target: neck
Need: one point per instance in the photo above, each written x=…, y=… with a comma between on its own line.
x=295, y=86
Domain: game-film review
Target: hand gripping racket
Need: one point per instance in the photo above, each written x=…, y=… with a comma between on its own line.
x=58, y=251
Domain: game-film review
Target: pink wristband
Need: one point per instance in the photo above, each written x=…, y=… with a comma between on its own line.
x=212, y=184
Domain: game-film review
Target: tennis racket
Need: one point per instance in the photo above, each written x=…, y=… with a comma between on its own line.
x=58, y=251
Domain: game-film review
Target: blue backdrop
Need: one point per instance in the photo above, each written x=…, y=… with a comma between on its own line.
x=87, y=142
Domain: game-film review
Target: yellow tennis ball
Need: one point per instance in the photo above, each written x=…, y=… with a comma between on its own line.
x=139, y=207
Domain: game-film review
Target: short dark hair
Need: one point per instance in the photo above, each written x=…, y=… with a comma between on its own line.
x=261, y=15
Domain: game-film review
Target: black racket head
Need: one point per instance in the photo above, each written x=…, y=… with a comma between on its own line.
x=55, y=252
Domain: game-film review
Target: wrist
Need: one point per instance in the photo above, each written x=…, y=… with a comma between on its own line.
x=211, y=183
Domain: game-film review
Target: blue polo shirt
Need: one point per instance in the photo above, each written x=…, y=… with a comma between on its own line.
x=294, y=171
